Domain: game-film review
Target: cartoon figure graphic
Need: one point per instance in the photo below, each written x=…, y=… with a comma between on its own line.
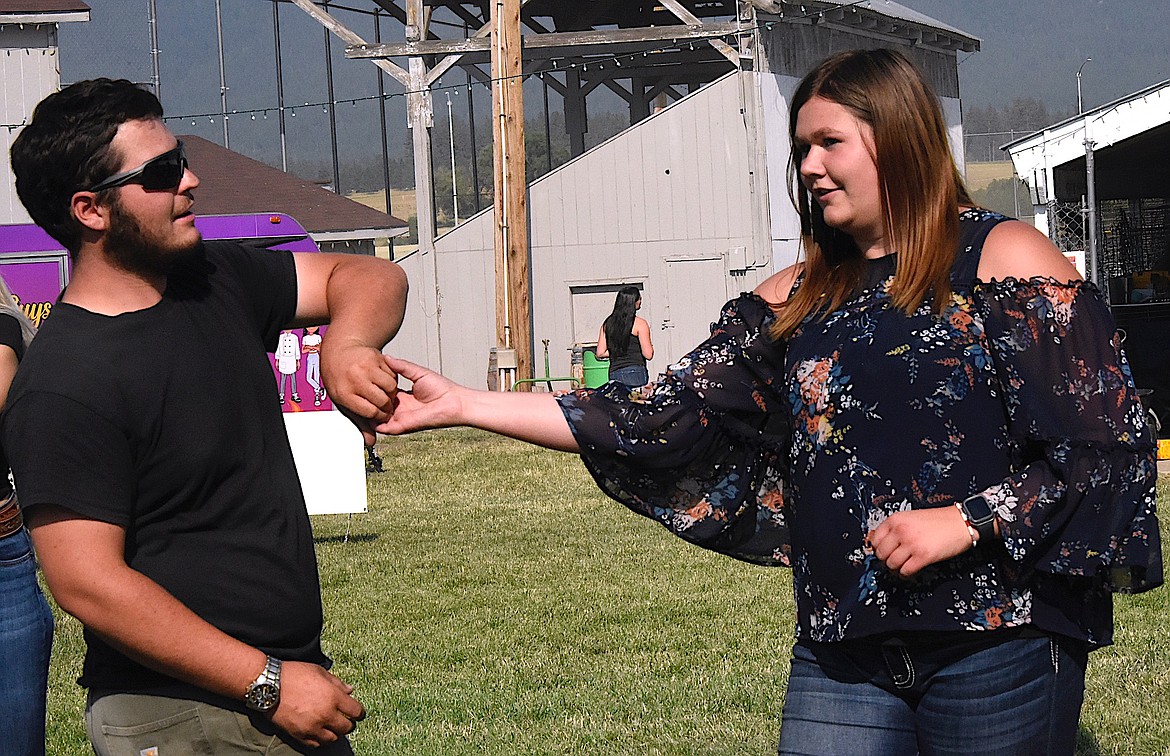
x=311, y=348
x=288, y=361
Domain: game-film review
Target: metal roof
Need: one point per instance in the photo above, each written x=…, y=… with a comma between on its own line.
x=1096, y=112
x=854, y=10
x=233, y=183
x=42, y=11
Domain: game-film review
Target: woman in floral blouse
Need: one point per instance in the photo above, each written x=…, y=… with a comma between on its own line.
x=929, y=419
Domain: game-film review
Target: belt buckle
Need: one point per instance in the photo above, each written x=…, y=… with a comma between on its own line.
x=11, y=519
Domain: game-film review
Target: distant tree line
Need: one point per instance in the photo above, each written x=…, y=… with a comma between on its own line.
x=988, y=128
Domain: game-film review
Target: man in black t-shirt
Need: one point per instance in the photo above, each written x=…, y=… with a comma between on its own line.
x=153, y=465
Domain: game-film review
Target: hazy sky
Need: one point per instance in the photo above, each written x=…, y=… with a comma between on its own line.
x=1033, y=48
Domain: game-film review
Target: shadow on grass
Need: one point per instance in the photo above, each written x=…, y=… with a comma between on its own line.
x=358, y=537
x=1087, y=744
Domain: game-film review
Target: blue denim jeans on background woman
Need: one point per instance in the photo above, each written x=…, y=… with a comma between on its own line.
x=1021, y=697
x=634, y=376
x=26, y=636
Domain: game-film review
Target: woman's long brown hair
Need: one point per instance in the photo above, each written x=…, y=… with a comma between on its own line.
x=920, y=187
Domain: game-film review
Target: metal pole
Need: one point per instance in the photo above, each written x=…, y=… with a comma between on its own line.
x=547, y=126
x=1091, y=194
x=454, y=184
x=1080, y=106
x=332, y=105
x=222, y=75
x=155, y=78
x=280, y=88
x=382, y=111
x=471, y=129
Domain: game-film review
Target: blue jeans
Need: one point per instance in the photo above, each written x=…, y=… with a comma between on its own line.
x=633, y=376
x=26, y=636
x=1021, y=697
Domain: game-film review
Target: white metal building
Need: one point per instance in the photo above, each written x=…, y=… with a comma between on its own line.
x=29, y=70
x=1130, y=142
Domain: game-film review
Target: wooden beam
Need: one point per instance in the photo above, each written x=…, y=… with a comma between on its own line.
x=513, y=287
x=546, y=41
x=483, y=32
x=345, y=35
x=684, y=15
x=392, y=8
x=664, y=88
x=466, y=16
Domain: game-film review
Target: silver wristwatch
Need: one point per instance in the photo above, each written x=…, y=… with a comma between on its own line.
x=264, y=693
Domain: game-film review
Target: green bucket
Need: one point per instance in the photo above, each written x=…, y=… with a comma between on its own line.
x=596, y=371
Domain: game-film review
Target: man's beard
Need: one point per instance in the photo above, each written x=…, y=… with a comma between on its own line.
x=132, y=250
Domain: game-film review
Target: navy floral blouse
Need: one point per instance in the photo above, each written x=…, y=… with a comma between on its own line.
x=790, y=453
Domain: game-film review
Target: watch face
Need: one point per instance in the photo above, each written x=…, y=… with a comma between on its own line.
x=978, y=510
x=263, y=696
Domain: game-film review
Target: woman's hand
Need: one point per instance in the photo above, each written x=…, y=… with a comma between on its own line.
x=909, y=541
x=432, y=402
x=435, y=402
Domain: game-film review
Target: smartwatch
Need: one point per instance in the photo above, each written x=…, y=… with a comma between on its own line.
x=264, y=693
x=980, y=515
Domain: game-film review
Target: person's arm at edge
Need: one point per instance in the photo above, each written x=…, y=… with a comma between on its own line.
x=643, y=330
x=602, y=345
x=8, y=365
x=82, y=560
x=363, y=299
x=436, y=402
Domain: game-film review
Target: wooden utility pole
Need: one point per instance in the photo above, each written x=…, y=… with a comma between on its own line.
x=513, y=299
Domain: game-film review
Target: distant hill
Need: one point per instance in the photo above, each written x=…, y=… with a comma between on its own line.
x=1034, y=48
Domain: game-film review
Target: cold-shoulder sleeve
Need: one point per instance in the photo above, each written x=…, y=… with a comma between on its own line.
x=1082, y=500
x=701, y=450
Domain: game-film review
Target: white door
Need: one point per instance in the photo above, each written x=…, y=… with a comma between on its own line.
x=695, y=291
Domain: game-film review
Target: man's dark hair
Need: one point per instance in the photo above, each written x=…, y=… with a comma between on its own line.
x=65, y=148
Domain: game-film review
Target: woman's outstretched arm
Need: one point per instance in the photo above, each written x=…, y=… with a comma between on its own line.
x=436, y=402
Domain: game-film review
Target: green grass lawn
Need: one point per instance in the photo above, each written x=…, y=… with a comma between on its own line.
x=492, y=601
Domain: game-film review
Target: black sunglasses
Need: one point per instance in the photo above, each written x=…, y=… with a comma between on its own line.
x=163, y=172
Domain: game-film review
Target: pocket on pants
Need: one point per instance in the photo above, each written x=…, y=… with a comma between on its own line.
x=180, y=733
x=15, y=549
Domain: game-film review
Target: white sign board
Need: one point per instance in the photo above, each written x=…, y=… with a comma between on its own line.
x=330, y=459
x=1077, y=258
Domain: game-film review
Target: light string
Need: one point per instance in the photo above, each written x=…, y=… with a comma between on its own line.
x=599, y=63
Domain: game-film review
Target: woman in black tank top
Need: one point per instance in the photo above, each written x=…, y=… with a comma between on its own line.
x=616, y=340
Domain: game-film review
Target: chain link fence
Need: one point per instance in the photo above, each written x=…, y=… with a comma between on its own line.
x=984, y=147
x=1068, y=226
x=1134, y=234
